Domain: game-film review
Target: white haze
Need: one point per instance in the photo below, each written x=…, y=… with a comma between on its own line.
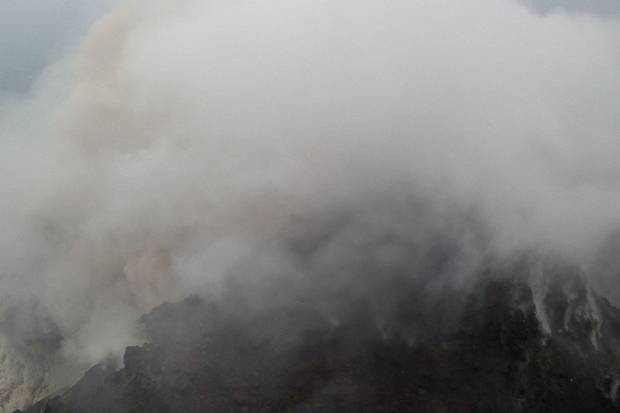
x=186, y=136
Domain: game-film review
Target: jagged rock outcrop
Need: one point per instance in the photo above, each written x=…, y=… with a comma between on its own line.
x=205, y=357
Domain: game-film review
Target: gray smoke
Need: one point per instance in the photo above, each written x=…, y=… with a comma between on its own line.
x=598, y=7
x=188, y=142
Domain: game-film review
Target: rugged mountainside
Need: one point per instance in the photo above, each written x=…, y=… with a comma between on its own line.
x=205, y=357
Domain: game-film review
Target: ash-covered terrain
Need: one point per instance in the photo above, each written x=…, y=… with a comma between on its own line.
x=488, y=353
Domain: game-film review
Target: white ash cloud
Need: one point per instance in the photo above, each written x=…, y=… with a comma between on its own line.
x=187, y=140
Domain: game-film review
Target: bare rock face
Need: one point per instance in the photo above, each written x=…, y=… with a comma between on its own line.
x=497, y=356
x=28, y=349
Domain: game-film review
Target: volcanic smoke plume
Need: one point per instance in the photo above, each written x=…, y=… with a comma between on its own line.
x=301, y=150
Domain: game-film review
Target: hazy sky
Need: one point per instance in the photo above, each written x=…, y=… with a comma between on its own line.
x=33, y=33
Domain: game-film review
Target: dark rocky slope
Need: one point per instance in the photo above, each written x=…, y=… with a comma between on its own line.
x=205, y=357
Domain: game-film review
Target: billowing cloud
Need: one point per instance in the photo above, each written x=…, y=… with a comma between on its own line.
x=604, y=8
x=191, y=141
